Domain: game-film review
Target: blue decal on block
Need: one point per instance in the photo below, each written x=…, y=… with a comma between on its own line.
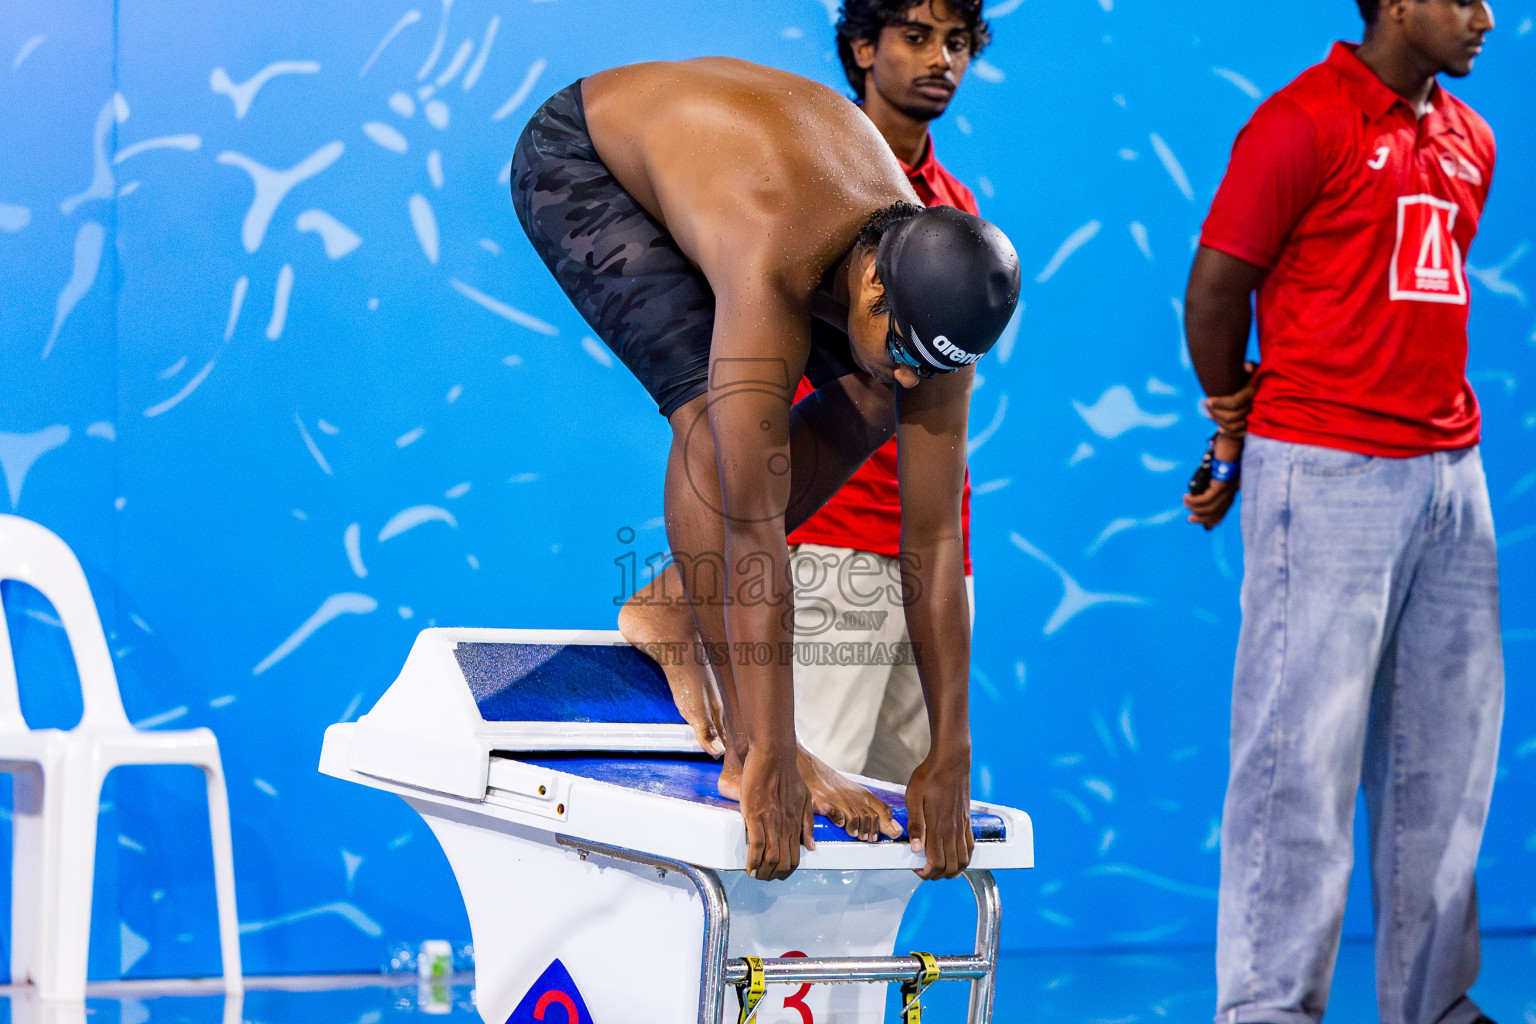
x=553, y=999
x=566, y=683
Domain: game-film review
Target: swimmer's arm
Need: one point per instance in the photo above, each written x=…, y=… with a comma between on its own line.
x=931, y=436
x=757, y=354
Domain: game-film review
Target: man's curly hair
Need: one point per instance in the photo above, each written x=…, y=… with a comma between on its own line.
x=865, y=19
x=874, y=229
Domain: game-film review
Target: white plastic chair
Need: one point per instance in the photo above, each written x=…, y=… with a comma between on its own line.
x=58, y=776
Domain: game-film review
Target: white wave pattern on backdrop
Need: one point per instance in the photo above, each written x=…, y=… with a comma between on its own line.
x=336, y=237
x=333, y=606
x=243, y=94
x=1116, y=412
x=273, y=186
x=19, y=452
x=115, y=110
x=185, y=143
x=88, y=242
x=13, y=217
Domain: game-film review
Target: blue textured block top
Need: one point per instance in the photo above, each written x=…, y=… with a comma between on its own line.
x=566, y=683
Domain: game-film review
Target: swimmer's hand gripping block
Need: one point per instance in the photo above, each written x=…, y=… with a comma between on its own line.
x=586, y=831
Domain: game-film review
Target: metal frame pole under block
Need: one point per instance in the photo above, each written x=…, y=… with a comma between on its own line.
x=717, y=972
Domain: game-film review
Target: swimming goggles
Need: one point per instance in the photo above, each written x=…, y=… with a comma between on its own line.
x=896, y=348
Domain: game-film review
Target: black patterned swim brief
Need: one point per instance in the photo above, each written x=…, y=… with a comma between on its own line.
x=620, y=267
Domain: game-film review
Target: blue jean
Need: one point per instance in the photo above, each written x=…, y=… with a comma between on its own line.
x=1369, y=655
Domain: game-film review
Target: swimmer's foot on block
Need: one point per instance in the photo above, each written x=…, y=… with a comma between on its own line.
x=657, y=625
x=846, y=804
x=849, y=805
x=664, y=629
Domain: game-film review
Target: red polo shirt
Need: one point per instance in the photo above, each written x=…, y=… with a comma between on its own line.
x=866, y=514
x=1363, y=214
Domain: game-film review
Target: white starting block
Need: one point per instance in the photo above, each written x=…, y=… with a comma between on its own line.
x=603, y=872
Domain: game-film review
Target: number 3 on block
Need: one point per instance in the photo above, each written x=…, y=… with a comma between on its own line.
x=797, y=1001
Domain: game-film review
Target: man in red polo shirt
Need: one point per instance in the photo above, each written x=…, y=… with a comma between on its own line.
x=861, y=708
x=1369, y=652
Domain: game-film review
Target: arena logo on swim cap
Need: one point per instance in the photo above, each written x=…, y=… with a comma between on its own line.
x=954, y=353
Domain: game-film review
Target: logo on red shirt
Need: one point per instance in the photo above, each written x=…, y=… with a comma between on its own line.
x=1455, y=167
x=1426, y=261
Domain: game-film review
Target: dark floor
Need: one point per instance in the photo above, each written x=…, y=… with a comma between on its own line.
x=1054, y=988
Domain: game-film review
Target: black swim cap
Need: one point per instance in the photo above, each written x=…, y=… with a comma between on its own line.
x=952, y=281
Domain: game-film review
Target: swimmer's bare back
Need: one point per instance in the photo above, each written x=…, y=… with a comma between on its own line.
x=752, y=170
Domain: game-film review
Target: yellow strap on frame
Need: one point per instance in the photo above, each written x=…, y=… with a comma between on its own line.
x=750, y=992
x=912, y=991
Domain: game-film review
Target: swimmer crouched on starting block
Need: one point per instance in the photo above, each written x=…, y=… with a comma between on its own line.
x=726, y=227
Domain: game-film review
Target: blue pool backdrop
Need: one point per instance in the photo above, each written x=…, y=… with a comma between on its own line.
x=277, y=361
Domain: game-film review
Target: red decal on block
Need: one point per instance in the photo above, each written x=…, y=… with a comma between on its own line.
x=572, y=1015
x=797, y=1001
x=555, y=990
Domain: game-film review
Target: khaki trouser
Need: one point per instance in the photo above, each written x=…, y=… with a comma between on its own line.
x=858, y=701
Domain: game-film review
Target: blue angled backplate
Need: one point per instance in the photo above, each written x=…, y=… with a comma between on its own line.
x=566, y=683
x=696, y=778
